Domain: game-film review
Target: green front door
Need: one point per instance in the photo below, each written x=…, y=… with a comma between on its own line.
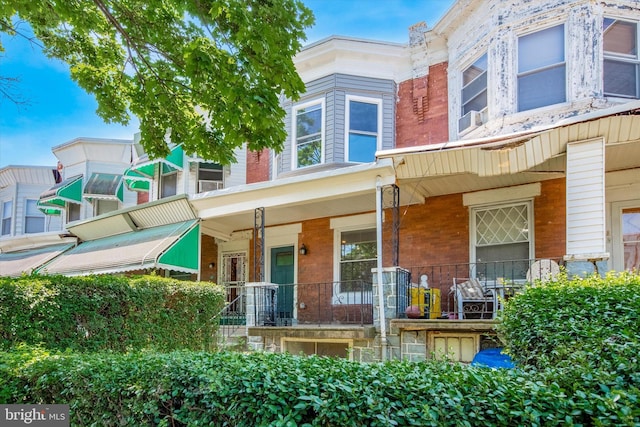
x=282, y=274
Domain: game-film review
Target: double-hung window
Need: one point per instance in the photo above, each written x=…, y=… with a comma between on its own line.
x=363, y=117
x=541, y=69
x=168, y=184
x=33, y=218
x=621, y=62
x=501, y=240
x=474, y=86
x=358, y=255
x=308, y=135
x=7, y=213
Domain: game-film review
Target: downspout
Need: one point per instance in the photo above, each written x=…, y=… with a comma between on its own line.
x=381, y=316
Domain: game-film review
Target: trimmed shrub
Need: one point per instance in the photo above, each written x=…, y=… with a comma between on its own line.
x=97, y=313
x=196, y=388
x=583, y=322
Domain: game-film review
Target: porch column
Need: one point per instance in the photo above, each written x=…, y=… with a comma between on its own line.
x=585, y=198
x=390, y=279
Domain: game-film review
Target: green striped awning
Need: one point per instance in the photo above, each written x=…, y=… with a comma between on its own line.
x=55, y=198
x=104, y=186
x=135, y=181
x=147, y=167
x=171, y=246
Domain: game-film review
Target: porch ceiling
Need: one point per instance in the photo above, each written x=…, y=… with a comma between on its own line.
x=343, y=191
x=513, y=160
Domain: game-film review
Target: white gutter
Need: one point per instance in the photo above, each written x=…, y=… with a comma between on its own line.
x=381, y=316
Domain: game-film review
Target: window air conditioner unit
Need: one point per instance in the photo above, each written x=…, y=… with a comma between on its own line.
x=206, y=185
x=469, y=121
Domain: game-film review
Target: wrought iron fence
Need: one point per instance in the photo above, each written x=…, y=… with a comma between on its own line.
x=330, y=303
x=450, y=291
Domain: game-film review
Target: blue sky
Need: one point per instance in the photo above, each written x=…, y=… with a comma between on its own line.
x=59, y=111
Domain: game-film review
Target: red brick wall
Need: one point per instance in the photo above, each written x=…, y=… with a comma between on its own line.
x=208, y=255
x=422, y=109
x=257, y=166
x=143, y=197
x=550, y=219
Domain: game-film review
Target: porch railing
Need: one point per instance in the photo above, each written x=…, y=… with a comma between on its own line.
x=440, y=297
x=330, y=303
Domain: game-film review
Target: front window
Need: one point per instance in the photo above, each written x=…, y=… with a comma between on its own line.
x=621, y=61
x=358, y=255
x=362, y=141
x=631, y=238
x=308, y=135
x=73, y=212
x=501, y=241
x=541, y=69
x=474, y=86
x=7, y=213
x=210, y=177
x=168, y=185
x=105, y=206
x=33, y=218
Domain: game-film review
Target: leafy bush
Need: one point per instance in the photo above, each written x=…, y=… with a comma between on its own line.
x=112, y=313
x=589, y=322
x=196, y=388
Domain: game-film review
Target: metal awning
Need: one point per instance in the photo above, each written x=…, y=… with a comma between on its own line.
x=55, y=198
x=171, y=246
x=104, y=186
x=147, y=167
x=135, y=181
x=15, y=264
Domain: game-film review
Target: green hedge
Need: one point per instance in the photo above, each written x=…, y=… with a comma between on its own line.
x=97, y=313
x=593, y=323
x=259, y=389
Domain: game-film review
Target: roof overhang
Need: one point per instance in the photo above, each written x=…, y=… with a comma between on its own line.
x=161, y=212
x=171, y=246
x=519, y=158
x=342, y=191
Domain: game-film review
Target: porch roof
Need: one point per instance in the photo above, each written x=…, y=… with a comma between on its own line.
x=14, y=264
x=327, y=192
x=518, y=158
x=173, y=246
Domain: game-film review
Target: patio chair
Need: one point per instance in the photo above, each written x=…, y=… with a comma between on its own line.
x=472, y=298
x=543, y=270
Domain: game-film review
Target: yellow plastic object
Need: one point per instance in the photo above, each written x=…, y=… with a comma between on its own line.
x=428, y=301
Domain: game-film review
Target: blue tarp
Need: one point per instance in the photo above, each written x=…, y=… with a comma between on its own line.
x=492, y=358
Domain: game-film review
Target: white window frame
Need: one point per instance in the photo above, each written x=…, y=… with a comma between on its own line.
x=473, y=228
x=38, y=215
x=294, y=132
x=68, y=212
x=617, y=245
x=463, y=86
x=623, y=58
x=340, y=225
x=161, y=184
x=347, y=130
x=4, y=218
x=543, y=68
x=97, y=206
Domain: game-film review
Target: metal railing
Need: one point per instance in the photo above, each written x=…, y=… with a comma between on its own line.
x=330, y=303
x=440, y=298
x=231, y=321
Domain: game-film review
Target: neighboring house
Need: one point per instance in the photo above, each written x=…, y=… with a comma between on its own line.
x=498, y=145
x=39, y=203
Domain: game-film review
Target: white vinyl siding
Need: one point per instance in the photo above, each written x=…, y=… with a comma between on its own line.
x=585, y=198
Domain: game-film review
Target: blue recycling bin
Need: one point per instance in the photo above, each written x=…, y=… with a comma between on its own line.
x=492, y=358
